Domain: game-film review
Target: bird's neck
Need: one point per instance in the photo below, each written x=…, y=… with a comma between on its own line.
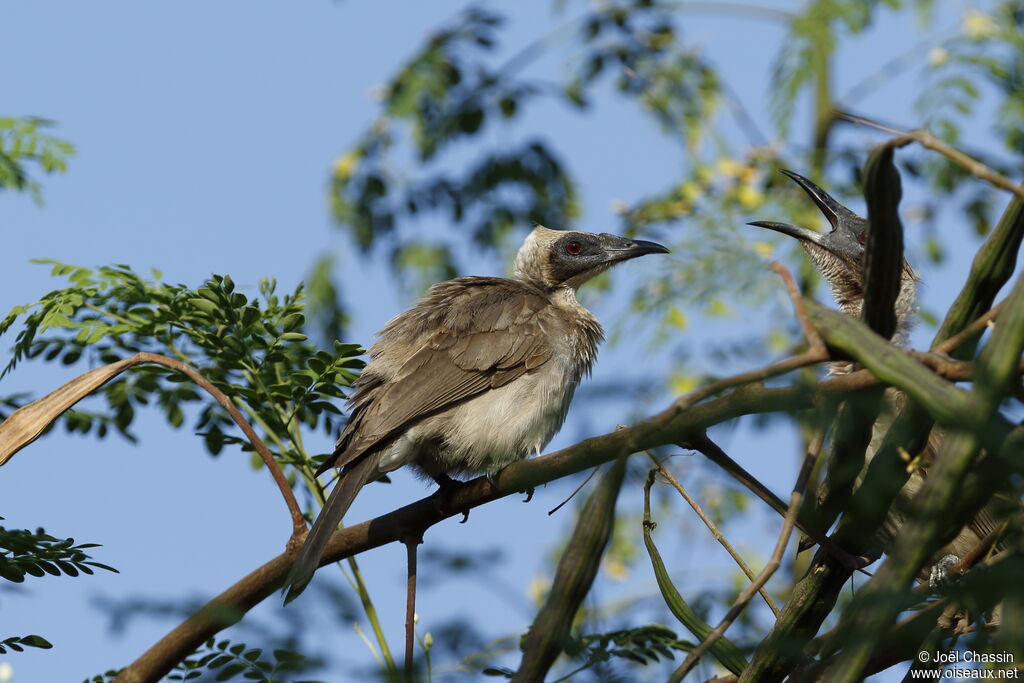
x=564, y=297
x=905, y=307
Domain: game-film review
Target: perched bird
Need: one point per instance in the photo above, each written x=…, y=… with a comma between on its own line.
x=839, y=256
x=477, y=375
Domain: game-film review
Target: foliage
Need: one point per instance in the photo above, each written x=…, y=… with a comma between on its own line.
x=16, y=644
x=37, y=553
x=642, y=645
x=253, y=349
x=226, y=661
x=24, y=144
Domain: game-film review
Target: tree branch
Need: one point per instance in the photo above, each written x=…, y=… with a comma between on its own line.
x=929, y=141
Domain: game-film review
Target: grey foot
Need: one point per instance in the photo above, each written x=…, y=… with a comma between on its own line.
x=939, y=575
x=445, y=486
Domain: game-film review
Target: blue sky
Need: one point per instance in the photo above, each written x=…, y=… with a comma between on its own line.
x=205, y=136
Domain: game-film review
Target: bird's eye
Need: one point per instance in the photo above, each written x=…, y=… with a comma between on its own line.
x=573, y=248
x=862, y=236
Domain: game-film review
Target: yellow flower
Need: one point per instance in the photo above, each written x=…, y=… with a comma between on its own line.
x=538, y=589
x=615, y=568
x=938, y=56
x=677, y=318
x=750, y=197
x=730, y=167
x=978, y=25
x=682, y=384
x=764, y=249
x=345, y=165
x=689, y=191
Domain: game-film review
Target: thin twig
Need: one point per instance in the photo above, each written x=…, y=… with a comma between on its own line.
x=298, y=521
x=816, y=353
x=575, y=491
x=795, y=499
x=814, y=340
x=411, y=542
x=929, y=141
x=713, y=528
x=711, y=450
x=976, y=327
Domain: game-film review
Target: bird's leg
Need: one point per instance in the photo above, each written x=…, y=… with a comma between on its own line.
x=445, y=487
x=490, y=478
x=445, y=483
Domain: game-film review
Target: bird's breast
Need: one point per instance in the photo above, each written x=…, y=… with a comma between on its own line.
x=508, y=423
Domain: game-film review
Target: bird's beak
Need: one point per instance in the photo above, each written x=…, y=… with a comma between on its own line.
x=791, y=230
x=828, y=206
x=622, y=249
x=836, y=214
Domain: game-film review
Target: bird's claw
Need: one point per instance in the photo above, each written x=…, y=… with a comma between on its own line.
x=529, y=495
x=465, y=516
x=939, y=575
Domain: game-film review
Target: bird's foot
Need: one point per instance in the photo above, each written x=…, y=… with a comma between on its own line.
x=939, y=576
x=445, y=484
x=529, y=495
x=445, y=487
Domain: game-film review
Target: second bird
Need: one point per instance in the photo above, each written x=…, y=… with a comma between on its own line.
x=477, y=375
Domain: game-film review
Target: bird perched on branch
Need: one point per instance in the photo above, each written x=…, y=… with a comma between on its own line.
x=477, y=375
x=839, y=256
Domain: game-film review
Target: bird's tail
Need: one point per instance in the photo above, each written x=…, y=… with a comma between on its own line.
x=345, y=491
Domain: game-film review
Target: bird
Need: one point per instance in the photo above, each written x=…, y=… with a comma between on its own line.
x=475, y=376
x=839, y=255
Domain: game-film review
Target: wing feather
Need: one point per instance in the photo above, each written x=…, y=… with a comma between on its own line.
x=466, y=336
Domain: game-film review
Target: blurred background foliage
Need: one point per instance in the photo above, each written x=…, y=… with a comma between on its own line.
x=450, y=168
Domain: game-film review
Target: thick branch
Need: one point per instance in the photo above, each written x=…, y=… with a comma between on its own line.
x=948, y=404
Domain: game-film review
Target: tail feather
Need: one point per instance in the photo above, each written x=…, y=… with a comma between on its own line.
x=345, y=491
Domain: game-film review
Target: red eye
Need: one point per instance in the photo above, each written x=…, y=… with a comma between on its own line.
x=574, y=248
x=861, y=237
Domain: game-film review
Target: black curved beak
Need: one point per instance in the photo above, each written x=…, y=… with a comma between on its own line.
x=791, y=230
x=832, y=209
x=622, y=248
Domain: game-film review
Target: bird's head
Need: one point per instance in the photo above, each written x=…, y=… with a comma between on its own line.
x=568, y=258
x=839, y=253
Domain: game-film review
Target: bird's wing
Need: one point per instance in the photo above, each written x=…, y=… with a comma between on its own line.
x=466, y=336
x=988, y=518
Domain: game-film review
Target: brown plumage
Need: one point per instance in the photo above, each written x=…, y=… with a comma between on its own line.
x=478, y=374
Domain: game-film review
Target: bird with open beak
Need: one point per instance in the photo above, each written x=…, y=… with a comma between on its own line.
x=477, y=375
x=839, y=256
